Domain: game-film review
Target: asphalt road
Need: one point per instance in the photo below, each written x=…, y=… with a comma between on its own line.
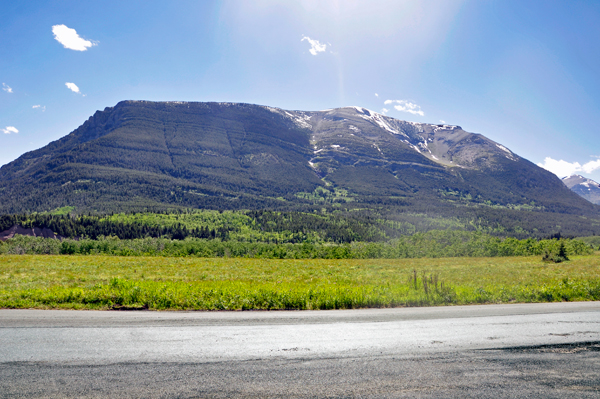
x=527, y=350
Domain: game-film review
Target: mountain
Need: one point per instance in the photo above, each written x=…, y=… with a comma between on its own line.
x=142, y=154
x=587, y=188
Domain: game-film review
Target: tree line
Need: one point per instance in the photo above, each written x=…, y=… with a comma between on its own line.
x=93, y=227
x=433, y=244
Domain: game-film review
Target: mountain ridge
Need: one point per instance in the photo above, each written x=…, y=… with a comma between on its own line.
x=142, y=154
x=586, y=188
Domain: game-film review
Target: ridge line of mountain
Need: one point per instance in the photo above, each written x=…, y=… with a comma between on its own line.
x=144, y=154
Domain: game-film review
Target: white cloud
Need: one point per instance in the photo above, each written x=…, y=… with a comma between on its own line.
x=591, y=166
x=7, y=88
x=315, y=46
x=406, y=106
x=563, y=168
x=70, y=39
x=9, y=130
x=73, y=87
x=43, y=108
x=376, y=95
x=441, y=121
x=384, y=111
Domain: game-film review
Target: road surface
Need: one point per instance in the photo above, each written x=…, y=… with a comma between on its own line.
x=521, y=350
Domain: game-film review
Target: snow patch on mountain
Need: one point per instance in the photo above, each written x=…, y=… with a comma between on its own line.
x=381, y=122
x=299, y=118
x=510, y=155
x=378, y=119
x=445, y=127
x=586, y=188
x=417, y=125
x=503, y=148
x=414, y=147
x=424, y=147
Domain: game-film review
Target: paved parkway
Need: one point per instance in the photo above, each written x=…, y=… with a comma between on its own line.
x=523, y=350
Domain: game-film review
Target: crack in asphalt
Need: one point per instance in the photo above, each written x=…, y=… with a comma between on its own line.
x=574, y=347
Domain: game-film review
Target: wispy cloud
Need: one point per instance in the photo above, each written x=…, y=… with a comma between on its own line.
x=315, y=46
x=70, y=39
x=9, y=130
x=376, y=95
x=384, y=111
x=442, y=121
x=406, y=106
x=41, y=107
x=7, y=88
x=73, y=87
x=563, y=168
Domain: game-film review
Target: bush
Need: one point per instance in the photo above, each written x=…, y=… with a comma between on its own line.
x=558, y=257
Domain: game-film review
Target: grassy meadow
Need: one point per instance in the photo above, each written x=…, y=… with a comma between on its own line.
x=180, y=283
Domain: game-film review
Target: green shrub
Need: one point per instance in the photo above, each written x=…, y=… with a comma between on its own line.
x=433, y=244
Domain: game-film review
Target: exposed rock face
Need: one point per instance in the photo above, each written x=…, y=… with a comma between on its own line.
x=383, y=138
x=31, y=231
x=587, y=188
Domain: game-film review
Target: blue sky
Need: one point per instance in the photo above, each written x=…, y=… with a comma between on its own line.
x=523, y=73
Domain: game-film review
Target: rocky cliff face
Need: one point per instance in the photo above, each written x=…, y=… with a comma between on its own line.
x=28, y=231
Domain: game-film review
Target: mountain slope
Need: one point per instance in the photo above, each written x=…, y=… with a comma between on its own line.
x=161, y=152
x=240, y=156
x=586, y=188
x=368, y=153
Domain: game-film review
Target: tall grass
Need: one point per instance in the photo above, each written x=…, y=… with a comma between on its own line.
x=127, y=294
x=100, y=282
